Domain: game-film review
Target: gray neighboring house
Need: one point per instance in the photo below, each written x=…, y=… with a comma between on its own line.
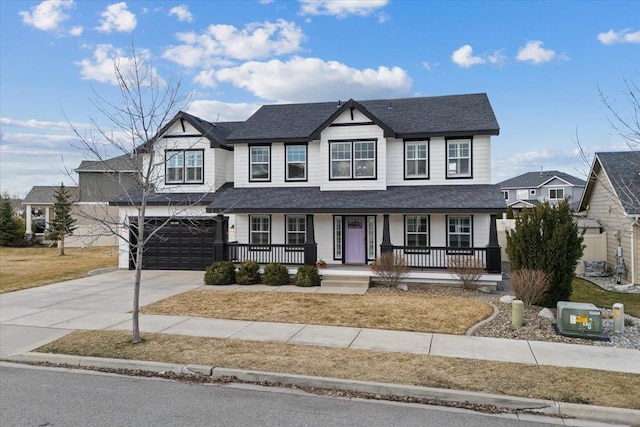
x=612, y=197
x=533, y=188
x=98, y=182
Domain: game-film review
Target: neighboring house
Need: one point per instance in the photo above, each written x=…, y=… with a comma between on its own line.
x=611, y=198
x=96, y=221
x=338, y=181
x=532, y=188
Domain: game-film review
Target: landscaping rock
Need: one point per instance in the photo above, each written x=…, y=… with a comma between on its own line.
x=547, y=314
x=403, y=287
x=507, y=299
x=487, y=289
x=595, y=268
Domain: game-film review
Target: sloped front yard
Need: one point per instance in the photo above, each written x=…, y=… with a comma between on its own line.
x=404, y=312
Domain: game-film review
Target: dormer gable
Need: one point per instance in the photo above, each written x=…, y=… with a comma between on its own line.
x=352, y=106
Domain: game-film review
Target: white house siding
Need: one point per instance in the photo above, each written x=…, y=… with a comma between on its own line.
x=481, y=163
x=606, y=208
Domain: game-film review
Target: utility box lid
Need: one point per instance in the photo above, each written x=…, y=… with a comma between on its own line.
x=581, y=320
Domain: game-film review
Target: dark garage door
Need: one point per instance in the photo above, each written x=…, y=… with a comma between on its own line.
x=181, y=244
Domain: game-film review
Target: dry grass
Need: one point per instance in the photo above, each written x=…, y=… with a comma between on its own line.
x=542, y=382
x=22, y=268
x=403, y=312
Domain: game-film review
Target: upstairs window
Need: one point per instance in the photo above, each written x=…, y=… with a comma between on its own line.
x=260, y=163
x=416, y=159
x=184, y=166
x=296, y=159
x=556, y=193
x=352, y=159
x=505, y=194
x=459, y=158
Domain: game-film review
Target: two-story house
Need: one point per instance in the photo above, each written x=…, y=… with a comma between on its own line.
x=338, y=181
x=532, y=188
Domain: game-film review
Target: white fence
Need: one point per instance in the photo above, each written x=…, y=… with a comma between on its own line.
x=595, y=244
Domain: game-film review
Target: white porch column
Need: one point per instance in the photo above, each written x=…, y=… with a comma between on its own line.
x=28, y=227
x=46, y=217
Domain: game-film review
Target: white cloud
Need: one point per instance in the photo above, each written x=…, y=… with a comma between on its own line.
x=217, y=111
x=182, y=13
x=383, y=17
x=622, y=36
x=206, y=78
x=256, y=40
x=464, y=57
x=534, y=52
x=102, y=67
x=48, y=15
x=116, y=17
x=307, y=79
x=39, y=124
x=76, y=31
x=340, y=8
x=265, y=1
x=497, y=58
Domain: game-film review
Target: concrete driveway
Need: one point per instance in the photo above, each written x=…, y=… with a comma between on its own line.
x=36, y=316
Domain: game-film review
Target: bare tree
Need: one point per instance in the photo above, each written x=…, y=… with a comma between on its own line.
x=145, y=105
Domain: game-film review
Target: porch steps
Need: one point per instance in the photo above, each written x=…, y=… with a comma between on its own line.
x=345, y=281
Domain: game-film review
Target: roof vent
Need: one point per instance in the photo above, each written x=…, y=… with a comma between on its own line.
x=339, y=104
x=390, y=107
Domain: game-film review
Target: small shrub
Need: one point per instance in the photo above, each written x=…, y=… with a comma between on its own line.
x=468, y=269
x=220, y=273
x=248, y=273
x=276, y=274
x=530, y=286
x=307, y=276
x=389, y=268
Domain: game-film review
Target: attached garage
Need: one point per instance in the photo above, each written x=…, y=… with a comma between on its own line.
x=179, y=243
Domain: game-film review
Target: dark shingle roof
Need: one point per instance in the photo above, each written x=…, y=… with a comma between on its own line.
x=405, y=117
x=536, y=179
x=124, y=163
x=623, y=170
x=134, y=195
x=46, y=195
x=437, y=199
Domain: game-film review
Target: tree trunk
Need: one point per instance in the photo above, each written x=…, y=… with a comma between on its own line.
x=61, y=245
x=136, y=295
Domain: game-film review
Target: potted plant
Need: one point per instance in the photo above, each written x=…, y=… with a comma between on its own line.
x=321, y=263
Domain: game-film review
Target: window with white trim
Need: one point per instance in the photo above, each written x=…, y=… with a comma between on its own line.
x=505, y=194
x=337, y=237
x=259, y=163
x=522, y=194
x=556, y=193
x=459, y=232
x=458, y=158
x=417, y=231
x=260, y=229
x=296, y=159
x=184, y=166
x=352, y=159
x=416, y=163
x=296, y=232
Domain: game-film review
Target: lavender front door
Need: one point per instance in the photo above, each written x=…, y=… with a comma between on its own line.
x=354, y=240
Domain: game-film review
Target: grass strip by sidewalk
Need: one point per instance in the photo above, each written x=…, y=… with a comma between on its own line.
x=23, y=268
x=542, y=382
x=403, y=312
x=585, y=291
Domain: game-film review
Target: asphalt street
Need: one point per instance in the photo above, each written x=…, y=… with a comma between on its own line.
x=32, y=396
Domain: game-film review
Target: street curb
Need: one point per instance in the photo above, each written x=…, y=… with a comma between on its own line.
x=536, y=406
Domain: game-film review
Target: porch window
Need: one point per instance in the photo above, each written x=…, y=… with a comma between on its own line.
x=371, y=237
x=416, y=231
x=259, y=162
x=556, y=193
x=260, y=229
x=352, y=159
x=296, y=159
x=184, y=166
x=416, y=154
x=337, y=237
x=296, y=233
x=458, y=158
x=459, y=231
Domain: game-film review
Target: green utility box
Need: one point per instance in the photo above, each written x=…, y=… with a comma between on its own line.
x=577, y=319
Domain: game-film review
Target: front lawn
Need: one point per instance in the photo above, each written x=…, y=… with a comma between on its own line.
x=403, y=312
x=22, y=268
x=584, y=291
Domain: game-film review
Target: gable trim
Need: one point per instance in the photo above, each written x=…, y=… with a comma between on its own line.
x=351, y=104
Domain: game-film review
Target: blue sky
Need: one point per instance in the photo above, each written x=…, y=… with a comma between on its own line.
x=541, y=64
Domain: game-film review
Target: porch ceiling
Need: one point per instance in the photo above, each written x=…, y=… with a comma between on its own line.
x=401, y=199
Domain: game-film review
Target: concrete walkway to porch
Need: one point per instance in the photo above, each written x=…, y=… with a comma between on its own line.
x=34, y=317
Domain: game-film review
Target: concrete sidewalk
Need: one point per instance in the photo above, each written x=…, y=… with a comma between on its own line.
x=33, y=317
